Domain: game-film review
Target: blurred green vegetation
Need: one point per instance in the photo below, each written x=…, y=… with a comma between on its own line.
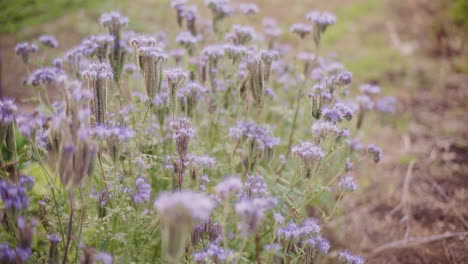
x=460, y=12
x=16, y=14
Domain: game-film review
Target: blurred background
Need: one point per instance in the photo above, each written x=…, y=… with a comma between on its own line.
x=415, y=50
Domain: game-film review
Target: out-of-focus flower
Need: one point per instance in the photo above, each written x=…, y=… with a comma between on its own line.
x=49, y=41
x=24, y=49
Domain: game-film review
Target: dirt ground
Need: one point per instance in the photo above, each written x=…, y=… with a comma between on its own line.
x=415, y=209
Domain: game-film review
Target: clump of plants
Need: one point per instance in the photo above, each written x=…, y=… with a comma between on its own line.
x=215, y=145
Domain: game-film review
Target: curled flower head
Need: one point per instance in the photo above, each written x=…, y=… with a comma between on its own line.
x=344, y=78
x=220, y=9
x=347, y=183
x=182, y=132
x=98, y=71
x=114, y=21
x=179, y=6
x=322, y=129
x=97, y=46
x=49, y=41
x=309, y=154
x=45, y=76
x=187, y=40
x=24, y=49
x=321, y=20
x=301, y=29
x=175, y=78
x=241, y=35
x=375, y=151
x=142, y=192
x=337, y=113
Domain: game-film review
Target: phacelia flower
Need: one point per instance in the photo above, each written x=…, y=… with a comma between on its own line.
x=182, y=132
x=45, y=76
x=321, y=20
x=370, y=89
x=349, y=258
x=251, y=213
x=308, y=153
x=347, y=183
x=14, y=196
x=24, y=49
x=386, y=104
x=248, y=9
x=301, y=29
x=375, y=151
x=49, y=41
x=228, y=187
x=143, y=191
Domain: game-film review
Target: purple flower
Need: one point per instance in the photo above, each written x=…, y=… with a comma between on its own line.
x=104, y=257
x=321, y=129
x=241, y=35
x=24, y=49
x=229, y=186
x=308, y=153
x=49, y=41
x=337, y=113
x=350, y=258
x=279, y=219
x=375, y=151
x=98, y=71
x=248, y=9
x=130, y=68
x=386, y=104
x=344, y=78
x=14, y=196
x=7, y=254
x=26, y=181
x=321, y=19
x=114, y=21
x=365, y=102
x=119, y=133
x=251, y=213
x=54, y=238
x=181, y=133
x=8, y=110
x=258, y=135
x=214, y=253
x=301, y=29
x=142, y=192
x=370, y=89
x=347, y=183
x=272, y=247
x=45, y=76
x=255, y=187
x=186, y=39
x=354, y=144
x=185, y=206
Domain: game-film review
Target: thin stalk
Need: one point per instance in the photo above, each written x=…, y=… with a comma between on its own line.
x=70, y=223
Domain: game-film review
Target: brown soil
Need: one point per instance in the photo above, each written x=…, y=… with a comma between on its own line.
x=436, y=141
